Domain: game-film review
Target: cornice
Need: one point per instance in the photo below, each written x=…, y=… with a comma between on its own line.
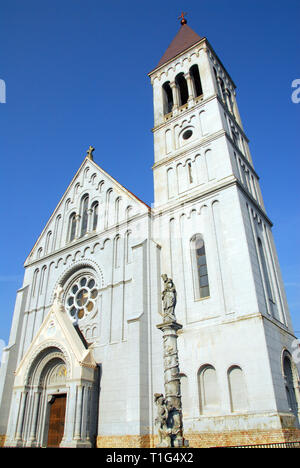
x=178, y=116
x=179, y=153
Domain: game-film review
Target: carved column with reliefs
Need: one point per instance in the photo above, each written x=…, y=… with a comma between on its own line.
x=169, y=406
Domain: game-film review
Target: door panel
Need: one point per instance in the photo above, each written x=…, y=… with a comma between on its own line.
x=57, y=420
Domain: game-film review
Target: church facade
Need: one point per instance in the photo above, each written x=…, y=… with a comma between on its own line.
x=85, y=357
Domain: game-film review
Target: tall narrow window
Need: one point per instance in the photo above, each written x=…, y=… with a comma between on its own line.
x=48, y=240
x=182, y=88
x=222, y=89
x=117, y=252
x=237, y=389
x=290, y=386
x=167, y=97
x=128, y=247
x=194, y=72
x=34, y=283
x=72, y=227
x=208, y=390
x=95, y=209
x=43, y=279
x=199, y=264
x=117, y=209
x=190, y=172
x=84, y=214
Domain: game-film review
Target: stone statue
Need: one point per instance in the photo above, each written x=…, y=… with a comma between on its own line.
x=169, y=299
x=164, y=433
x=58, y=293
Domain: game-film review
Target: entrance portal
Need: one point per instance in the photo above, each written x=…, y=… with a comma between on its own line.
x=57, y=420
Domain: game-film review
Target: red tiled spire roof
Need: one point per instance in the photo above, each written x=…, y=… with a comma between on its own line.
x=184, y=39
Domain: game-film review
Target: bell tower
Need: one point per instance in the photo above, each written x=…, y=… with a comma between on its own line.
x=198, y=135
x=217, y=245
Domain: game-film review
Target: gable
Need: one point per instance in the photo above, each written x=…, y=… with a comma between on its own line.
x=56, y=331
x=114, y=203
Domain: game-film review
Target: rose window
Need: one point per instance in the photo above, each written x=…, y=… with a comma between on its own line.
x=81, y=297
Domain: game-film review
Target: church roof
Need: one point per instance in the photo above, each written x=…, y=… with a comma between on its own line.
x=184, y=39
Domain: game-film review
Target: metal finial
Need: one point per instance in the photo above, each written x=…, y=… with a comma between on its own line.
x=182, y=18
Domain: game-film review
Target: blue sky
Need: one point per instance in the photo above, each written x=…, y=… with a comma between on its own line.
x=76, y=74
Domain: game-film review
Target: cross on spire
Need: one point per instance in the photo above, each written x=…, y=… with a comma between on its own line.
x=182, y=18
x=89, y=152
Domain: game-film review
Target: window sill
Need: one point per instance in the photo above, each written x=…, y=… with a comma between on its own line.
x=202, y=299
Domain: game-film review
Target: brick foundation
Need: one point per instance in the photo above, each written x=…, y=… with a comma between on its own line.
x=2, y=440
x=206, y=439
x=125, y=441
x=250, y=437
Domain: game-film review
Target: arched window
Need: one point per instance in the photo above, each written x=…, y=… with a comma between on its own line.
x=190, y=172
x=222, y=89
x=42, y=283
x=289, y=381
x=34, y=282
x=72, y=227
x=167, y=97
x=237, y=389
x=117, y=251
x=195, y=75
x=182, y=88
x=209, y=398
x=128, y=247
x=230, y=102
x=199, y=265
x=95, y=208
x=117, y=209
x=128, y=212
x=84, y=214
x=56, y=229
x=48, y=239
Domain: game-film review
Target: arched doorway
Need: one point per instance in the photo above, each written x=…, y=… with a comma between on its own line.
x=291, y=387
x=47, y=393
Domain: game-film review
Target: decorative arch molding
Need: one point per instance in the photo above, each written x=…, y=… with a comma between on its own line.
x=286, y=353
x=42, y=356
x=76, y=267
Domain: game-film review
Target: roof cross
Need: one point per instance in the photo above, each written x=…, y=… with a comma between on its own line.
x=89, y=152
x=182, y=17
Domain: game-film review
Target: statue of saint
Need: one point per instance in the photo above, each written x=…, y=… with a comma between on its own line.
x=58, y=293
x=169, y=299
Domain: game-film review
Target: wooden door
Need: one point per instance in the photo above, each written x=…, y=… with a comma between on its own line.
x=57, y=420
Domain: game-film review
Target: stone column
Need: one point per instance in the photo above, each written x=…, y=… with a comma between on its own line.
x=169, y=407
x=190, y=86
x=77, y=432
x=36, y=402
x=175, y=95
x=19, y=430
x=78, y=226
x=172, y=382
x=90, y=220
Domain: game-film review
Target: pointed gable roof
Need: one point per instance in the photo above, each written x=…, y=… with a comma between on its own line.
x=184, y=39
